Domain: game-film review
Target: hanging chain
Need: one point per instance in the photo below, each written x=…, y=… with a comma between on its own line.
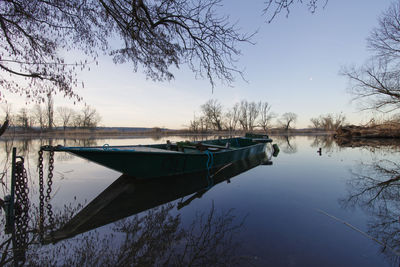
x=41, y=194
x=42, y=197
x=21, y=212
x=49, y=187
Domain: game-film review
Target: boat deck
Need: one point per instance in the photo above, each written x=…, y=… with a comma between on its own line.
x=125, y=148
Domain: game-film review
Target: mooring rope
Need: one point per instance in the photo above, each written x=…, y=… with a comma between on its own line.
x=384, y=246
x=210, y=163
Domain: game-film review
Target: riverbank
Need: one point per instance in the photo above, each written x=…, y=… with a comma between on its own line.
x=73, y=133
x=380, y=131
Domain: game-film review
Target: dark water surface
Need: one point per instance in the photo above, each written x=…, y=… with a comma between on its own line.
x=340, y=208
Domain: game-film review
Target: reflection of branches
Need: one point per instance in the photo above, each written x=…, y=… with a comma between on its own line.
x=327, y=142
x=374, y=145
x=377, y=181
x=209, y=241
x=375, y=187
x=156, y=137
x=286, y=144
x=152, y=239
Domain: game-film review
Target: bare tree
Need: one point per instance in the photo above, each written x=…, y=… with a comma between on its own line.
x=194, y=124
x=7, y=109
x=376, y=84
x=212, y=111
x=316, y=123
x=254, y=111
x=266, y=116
x=22, y=118
x=248, y=114
x=50, y=112
x=330, y=122
x=88, y=118
x=204, y=124
x=244, y=114
x=232, y=117
x=287, y=120
x=76, y=120
x=65, y=115
x=39, y=114
x=156, y=35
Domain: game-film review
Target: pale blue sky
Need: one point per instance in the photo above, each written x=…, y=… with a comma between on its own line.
x=294, y=66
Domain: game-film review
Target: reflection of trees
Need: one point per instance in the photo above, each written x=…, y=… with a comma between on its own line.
x=326, y=142
x=81, y=142
x=286, y=144
x=14, y=252
x=5, y=162
x=152, y=239
x=387, y=145
x=375, y=187
x=156, y=137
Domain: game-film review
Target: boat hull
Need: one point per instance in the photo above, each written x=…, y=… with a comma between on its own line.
x=149, y=164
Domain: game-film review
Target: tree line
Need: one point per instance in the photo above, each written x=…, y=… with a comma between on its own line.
x=249, y=116
x=47, y=117
x=243, y=115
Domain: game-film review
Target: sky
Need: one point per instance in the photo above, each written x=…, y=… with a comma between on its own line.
x=294, y=66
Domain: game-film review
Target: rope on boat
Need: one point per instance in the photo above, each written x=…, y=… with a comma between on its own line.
x=210, y=163
x=384, y=245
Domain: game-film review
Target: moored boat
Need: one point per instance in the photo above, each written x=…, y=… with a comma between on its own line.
x=148, y=161
x=127, y=196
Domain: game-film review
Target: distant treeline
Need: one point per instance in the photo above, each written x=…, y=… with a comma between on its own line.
x=251, y=116
x=47, y=117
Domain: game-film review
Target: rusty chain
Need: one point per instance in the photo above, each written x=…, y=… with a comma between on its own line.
x=41, y=194
x=49, y=187
x=22, y=205
x=42, y=197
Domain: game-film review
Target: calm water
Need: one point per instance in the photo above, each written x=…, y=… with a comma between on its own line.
x=340, y=208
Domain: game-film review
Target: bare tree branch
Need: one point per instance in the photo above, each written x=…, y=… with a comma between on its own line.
x=155, y=35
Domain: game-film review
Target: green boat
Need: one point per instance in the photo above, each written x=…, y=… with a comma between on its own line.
x=149, y=161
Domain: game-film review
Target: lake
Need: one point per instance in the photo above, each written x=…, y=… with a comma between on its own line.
x=339, y=207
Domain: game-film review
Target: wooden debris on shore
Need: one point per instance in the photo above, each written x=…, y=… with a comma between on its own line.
x=378, y=131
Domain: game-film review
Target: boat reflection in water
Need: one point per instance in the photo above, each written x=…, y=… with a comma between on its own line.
x=156, y=236
x=128, y=196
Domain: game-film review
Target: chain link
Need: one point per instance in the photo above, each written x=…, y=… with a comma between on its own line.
x=22, y=205
x=41, y=194
x=42, y=197
x=49, y=188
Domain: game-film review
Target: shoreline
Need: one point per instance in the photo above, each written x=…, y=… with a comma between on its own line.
x=115, y=134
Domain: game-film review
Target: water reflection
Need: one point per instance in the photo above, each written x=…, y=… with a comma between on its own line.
x=325, y=142
x=286, y=143
x=152, y=239
x=133, y=196
x=388, y=144
x=279, y=203
x=375, y=187
x=157, y=237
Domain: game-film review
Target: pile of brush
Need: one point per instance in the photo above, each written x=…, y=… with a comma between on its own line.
x=384, y=130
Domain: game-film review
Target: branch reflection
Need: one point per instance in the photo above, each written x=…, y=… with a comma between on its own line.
x=155, y=238
x=375, y=187
x=286, y=143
